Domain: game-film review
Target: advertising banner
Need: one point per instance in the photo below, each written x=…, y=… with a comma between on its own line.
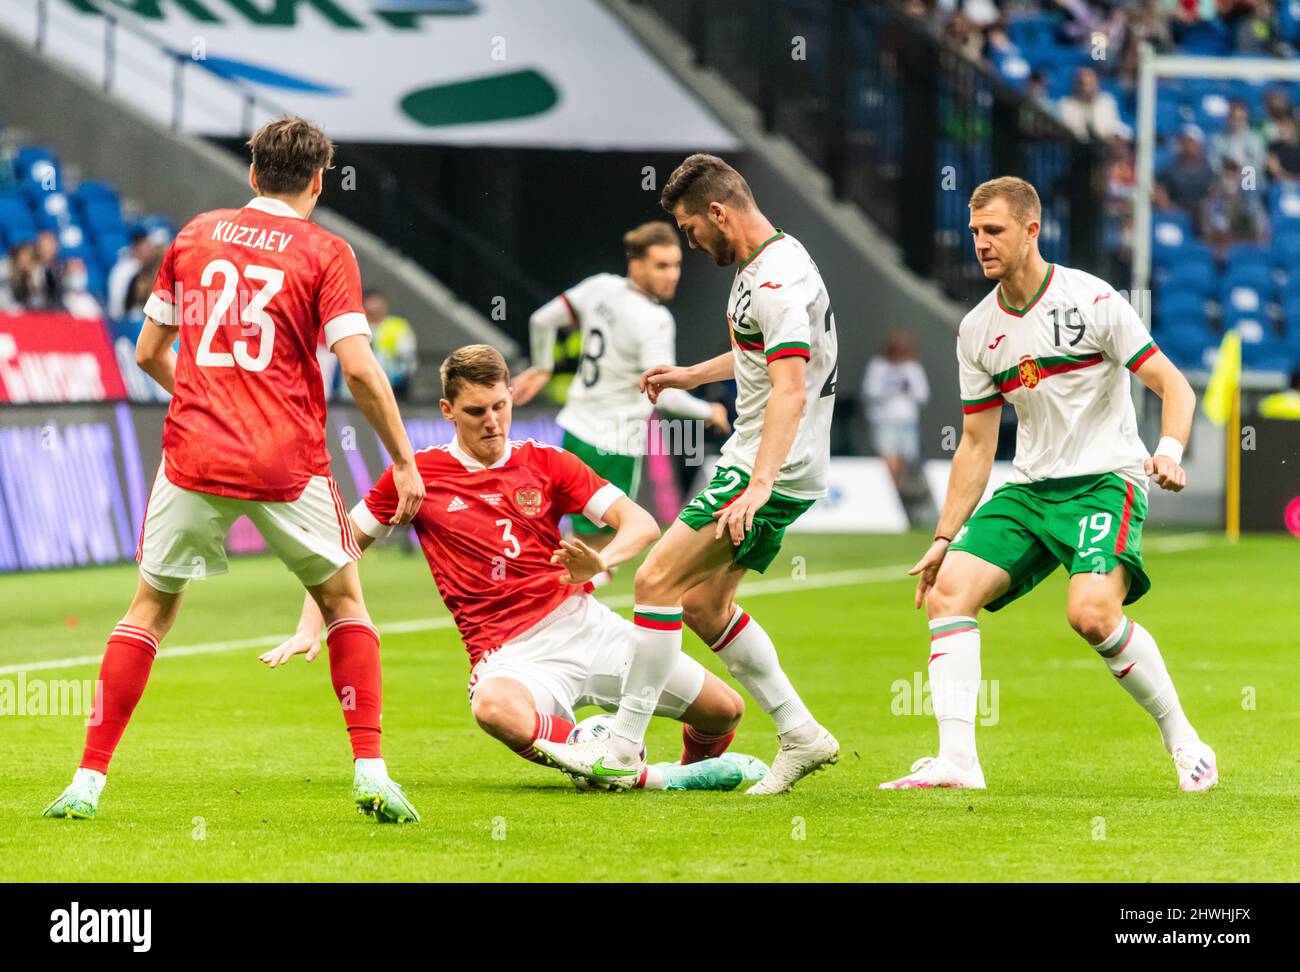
x=56, y=358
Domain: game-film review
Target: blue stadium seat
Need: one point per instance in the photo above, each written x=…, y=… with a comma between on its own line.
x=103, y=217
x=1286, y=247
x=1288, y=20
x=1186, y=346
x=1195, y=277
x=1285, y=200
x=1032, y=30
x=1193, y=252
x=1269, y=355
x=16, y=218
x=1248, y=254
x=38, y=167
x=1207, y=37
x=1291, y=315
x=1253, y=328
x=1179, y=310
x=109, y=247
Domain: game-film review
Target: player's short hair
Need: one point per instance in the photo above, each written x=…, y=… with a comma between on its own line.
x=474, y=364
x=654, y=233
x=704, y=179
x=287, y=152
x=1021, y=197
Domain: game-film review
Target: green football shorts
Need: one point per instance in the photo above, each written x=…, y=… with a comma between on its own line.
x=1089, y=524
x=763, y=541
x=623, y=471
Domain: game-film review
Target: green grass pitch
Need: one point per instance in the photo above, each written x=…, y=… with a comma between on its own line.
x=230, y=772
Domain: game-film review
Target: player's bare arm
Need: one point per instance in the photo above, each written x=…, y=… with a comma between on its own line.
x=374, y=396
x=635, y=530
x=781, y=418
x=971, y=466
x=1178, y=402
x=307, y=638
x=687, y=377
x=154, y=354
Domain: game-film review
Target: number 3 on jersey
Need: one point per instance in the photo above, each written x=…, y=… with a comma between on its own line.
x=254, y=313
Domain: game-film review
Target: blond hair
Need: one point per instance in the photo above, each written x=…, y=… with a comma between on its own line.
x=474, y=364
x=1021, y=197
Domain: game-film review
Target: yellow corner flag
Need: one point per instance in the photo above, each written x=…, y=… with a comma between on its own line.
x=1224, y=380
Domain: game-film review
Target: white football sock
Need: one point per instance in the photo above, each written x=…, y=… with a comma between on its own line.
x=1133, y=658
x=955, y=686
x=750, y=656
x=657, y=641
x=95, y=777
x=373, y=768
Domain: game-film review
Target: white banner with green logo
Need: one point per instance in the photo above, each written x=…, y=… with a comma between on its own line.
x=545, y=73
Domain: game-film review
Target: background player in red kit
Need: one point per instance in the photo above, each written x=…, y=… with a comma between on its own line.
x=249, y=291
x=539, y=645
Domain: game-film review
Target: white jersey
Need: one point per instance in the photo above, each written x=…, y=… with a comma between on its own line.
x=1063, y=362
x=624, y=332
x=779, y=308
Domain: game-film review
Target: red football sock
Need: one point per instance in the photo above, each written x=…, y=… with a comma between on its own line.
x=697, y=745
x=122, y=677
x=552, y=728
x=358, y=681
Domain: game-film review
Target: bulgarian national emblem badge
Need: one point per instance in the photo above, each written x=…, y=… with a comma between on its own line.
x=1029, y=374
x=529, y=500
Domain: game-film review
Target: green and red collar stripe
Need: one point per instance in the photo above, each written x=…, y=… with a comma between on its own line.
x=780, y=234
x=1144, y=352
x=1042, y=288
x=969, y=406
x=658, y=620
x=1055, y=365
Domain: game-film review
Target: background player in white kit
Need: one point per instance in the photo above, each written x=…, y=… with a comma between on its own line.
x=625, y=330
x=1059, y=345
x=772, y=469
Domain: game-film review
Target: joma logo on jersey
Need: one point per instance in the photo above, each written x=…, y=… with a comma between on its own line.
x=529, y=500
x=1029, y=374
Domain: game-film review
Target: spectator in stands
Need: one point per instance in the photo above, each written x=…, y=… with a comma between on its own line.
x=22, y=272
x=1230, y=213
x=1277, y=110
x=141, y=251
x=77, y=299
x=1239, y=143
x=1187, y=179
x=47, y=287
x=962, y=34
x=1099, y=26
x=1251, y=25
x=1284, y=154
x=393, y=339
x=1146, y=23
x=1036, y=91
x=1090, y=112
x=893, y=389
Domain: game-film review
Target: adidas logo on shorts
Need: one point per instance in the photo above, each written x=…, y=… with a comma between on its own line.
x=457, y=504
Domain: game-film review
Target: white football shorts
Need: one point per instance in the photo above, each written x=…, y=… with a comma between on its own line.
x=577, y=656
x=184, y=533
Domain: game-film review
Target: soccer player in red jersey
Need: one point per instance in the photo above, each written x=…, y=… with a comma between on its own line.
x=539, y=645
x=249, y=291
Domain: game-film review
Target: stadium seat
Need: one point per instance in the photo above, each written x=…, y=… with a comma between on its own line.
x=1248, y=254
x=1285, y=200
x=1253, y=328
x=1268, y=355
x=1032, y=30
x=1178, y=310
x=38, y=167
x=1247, y=290
x=1192, y=277
x=1186, y=346
x=1189, y=253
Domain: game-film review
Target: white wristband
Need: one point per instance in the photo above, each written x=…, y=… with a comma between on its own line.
x=1171, y=447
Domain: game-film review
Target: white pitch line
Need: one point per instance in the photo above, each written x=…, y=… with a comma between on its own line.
x=757, y=588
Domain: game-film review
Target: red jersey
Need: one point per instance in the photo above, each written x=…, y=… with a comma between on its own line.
x=489, y=532
x=254, y=288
